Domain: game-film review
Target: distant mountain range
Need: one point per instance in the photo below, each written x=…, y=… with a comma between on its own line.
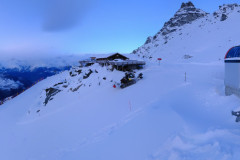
x=13, y=80
x=18, y=74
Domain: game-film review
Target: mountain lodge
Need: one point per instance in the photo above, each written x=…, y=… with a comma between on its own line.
x=113, y=57
x=117, y=61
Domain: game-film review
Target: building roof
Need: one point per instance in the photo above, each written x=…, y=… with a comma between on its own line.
x=117, y=56
x=234, y=52
x=114, y=56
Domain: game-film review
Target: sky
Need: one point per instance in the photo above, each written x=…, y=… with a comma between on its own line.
x=55, y=27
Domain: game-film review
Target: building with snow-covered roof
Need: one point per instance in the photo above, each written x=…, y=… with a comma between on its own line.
x=120, y=62
x=113, y=57
x=232, y=71
x=117, y=61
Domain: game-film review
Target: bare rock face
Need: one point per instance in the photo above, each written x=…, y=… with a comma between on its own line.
x=50, y=93
x=225, y=10
x=87, y=74
x=188, y=4
x=224, y=17
x=149, y=40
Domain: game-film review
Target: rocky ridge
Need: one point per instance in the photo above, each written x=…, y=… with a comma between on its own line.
x=225, y=10
x=187, y=14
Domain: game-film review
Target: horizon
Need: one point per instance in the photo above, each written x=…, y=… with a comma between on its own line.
x=56, y=28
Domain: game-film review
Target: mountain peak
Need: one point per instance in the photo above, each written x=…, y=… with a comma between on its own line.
x=185, y=15
x=188, y=4
x=189, y=9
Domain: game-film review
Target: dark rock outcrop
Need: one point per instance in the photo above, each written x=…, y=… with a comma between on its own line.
x=72, y=74
x=75, y=89
x=50, y=92
x=79, y=71
x=224, y=17
x=58, y=84
x=87, y=74
x=188, y=4
x=149, y=40
x=225, y=10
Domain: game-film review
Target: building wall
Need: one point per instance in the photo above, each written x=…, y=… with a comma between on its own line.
x=232, y=75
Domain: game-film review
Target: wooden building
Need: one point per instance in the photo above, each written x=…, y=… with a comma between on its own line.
x=113, y=57
x=117, y=61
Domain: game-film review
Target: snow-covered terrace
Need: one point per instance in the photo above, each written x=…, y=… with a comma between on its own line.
x=114, y=60
x=126, y=62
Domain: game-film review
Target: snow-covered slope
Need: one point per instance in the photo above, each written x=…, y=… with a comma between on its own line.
x=194, y=36
x=161, y=117
x=14, y=81
x=177, y=111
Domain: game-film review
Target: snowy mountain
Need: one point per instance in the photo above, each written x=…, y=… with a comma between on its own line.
x=192, y=34
x=23, y=63
x=177, y=111
x=15, y=80
x=18, y=74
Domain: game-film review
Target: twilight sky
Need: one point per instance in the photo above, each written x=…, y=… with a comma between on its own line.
x=43, y=27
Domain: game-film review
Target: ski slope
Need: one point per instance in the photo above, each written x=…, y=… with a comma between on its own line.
x=161, y=117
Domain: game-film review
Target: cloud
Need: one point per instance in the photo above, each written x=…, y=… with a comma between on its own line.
x=63, y=15
x=28, y=50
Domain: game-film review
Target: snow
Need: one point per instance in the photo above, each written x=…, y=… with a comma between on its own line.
x=160, y=117
x=164, y=116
